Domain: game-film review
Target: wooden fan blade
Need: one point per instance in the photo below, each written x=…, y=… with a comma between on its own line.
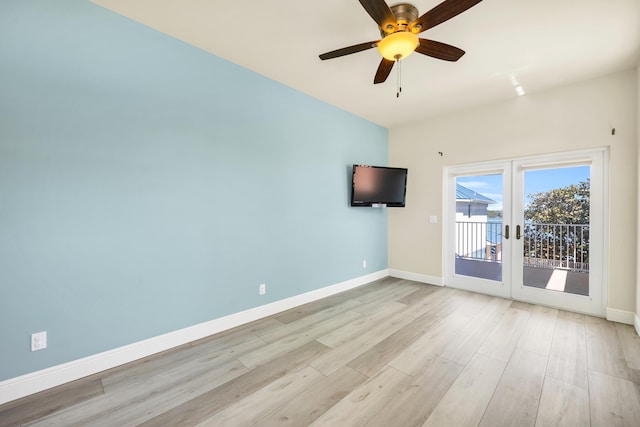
x=380, y=12
x=439, y=50
x=383, y=71
x=348, y=50
x=442, y=12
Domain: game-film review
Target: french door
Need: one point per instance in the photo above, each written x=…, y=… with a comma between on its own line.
x=530, y=229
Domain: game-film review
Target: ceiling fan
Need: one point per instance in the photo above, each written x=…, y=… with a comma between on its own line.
x=399, y=27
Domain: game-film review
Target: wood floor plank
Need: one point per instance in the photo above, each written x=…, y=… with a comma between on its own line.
x=204, y=406
x=614, y=402
x=429, y=345
x=359, y=291
x=519, y=305
x=363, y=403
x=311, y=308
x=126, y=392
x=389, y=298
x=307, y=309
x=568, y=353
x=630, y=344
x=562, y=404
x=174, y=369
x=515, y=400
x=144, y=408
x=305, y=408
x=471, y=304
x=307, y=322
x=228, y=345
x=604, y=349
x=361, y=324
x=439, y=302
x=137, y=403
x=289, y=343
x=339, y=356
x=231, y=336
x=420, y=294
x=415, y=402
x=51, y=401
x=266, y=400
x=538, y=333
x=372, y=360
x=475, y=332
x=467, y=399
x=386, y=293
x=450, y=302
x=506, y=335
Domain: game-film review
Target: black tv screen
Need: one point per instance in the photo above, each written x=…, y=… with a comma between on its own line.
x=378, y=186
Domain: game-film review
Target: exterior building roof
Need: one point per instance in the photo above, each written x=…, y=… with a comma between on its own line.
x=464, y=194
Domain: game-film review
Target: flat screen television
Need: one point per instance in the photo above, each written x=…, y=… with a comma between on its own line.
x=378, y=186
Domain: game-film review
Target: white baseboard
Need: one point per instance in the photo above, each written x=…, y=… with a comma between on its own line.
x=636, y=323
x=416, y=277
x=24, y=385
x=621, y=316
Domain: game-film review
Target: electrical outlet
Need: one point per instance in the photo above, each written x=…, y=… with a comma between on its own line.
x=262, y=289
x=39, y=341
x=364, y=263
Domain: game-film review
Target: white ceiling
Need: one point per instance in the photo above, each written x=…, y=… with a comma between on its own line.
x=537, y=43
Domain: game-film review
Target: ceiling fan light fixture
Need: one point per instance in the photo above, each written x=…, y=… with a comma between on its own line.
x=398, y=45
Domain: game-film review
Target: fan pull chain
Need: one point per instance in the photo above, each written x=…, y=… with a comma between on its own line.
x=399, y=80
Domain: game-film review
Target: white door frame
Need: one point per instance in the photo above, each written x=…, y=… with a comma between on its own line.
x=512, y=269
x=474, y=284
x=594, y=303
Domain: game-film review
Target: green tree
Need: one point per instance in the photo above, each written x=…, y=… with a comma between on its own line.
x=567, y=205
x=557, y=225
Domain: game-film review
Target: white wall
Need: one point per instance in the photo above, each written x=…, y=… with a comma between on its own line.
x=637, y=322
x=568, y=118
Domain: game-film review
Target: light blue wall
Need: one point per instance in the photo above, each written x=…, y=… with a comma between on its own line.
x=146, y=185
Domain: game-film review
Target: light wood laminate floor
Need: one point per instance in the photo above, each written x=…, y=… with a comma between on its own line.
x=391, y=353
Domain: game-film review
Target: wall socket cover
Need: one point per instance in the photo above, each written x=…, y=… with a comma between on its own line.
x=262, y=289
x=39, y=341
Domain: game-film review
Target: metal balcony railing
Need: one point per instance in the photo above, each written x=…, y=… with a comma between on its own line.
x=479, y=240
x=549, y=246
x=557, y=246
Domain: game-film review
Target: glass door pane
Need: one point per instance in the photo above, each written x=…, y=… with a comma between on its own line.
x=556, y=229
x=559, y=206
x=478, y=226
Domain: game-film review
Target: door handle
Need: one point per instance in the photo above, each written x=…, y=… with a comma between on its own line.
x=518, y=232
x=506, y=231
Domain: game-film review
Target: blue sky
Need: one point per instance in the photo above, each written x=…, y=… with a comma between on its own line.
x=535, y=181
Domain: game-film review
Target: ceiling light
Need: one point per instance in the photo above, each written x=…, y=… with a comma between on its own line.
x=397, y=46
x=516, y=85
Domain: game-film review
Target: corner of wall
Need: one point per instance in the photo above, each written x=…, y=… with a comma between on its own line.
x=416, y=277
x=637, y=314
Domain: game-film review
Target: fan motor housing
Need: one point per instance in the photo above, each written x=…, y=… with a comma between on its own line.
x=405, y=14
